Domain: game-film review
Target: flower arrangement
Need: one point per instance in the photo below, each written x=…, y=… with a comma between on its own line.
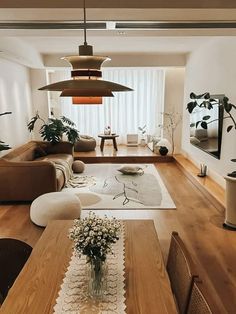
x=93, y=236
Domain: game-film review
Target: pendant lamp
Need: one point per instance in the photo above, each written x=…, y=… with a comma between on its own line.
x=86, y=85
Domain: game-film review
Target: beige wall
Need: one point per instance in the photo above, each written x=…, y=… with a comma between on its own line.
x=15, y=96
x=212, y=68
x=174, y=93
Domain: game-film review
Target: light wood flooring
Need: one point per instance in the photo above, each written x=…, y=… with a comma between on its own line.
x=198, y=222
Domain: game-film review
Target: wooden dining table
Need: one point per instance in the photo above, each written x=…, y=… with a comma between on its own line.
x=147, y=285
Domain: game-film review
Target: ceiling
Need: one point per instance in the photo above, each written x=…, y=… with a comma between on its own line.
x=140, y=37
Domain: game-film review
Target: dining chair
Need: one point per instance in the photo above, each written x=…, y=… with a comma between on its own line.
x=200, y=302
x=13, y=256
x=181, y=271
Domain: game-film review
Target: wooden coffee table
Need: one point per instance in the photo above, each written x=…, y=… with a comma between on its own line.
x=146, y=282
x=108, y=137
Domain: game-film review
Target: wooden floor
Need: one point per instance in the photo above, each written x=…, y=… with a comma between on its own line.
x=198, y=222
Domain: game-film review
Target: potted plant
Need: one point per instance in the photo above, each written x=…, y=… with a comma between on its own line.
x=170, y=124
x=4, y=146
x=208, y=102
x=53, y=129
x=143, y=137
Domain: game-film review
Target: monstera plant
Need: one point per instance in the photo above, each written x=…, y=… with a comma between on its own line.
x=206, y=101
x=4, y=146
x=53, y=129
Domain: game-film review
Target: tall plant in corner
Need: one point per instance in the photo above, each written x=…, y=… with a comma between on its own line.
x=4, y=146
x=53, y=129
x=206, y=101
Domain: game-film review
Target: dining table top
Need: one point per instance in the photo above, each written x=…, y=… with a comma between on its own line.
x=147, y=287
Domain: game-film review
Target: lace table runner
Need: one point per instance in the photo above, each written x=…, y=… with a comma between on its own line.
x=73, y=296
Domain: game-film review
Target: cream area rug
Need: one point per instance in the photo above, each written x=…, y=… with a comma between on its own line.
x=102, y=186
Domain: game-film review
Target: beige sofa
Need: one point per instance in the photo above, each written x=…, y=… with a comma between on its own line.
x=31, y=170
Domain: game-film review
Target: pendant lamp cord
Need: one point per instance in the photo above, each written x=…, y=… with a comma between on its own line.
x=85, y=35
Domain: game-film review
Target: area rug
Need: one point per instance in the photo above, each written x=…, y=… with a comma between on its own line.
x=102, y=186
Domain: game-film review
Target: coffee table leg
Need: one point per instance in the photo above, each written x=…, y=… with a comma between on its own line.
x=102, y=144
x=114, y=143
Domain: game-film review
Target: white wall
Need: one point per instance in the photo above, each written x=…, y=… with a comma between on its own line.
x=174, y=93
x=39, y=99
x=15, y=96
x=212, y=68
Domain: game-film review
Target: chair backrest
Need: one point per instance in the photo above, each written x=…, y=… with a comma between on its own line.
x=200, y=302
x=13, y=256
x=181, y=271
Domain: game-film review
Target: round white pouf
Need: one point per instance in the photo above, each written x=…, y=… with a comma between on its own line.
x=78, y=166
x=54, y=206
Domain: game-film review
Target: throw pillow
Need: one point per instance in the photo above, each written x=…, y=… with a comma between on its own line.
x=78, y=166
x=128, y=169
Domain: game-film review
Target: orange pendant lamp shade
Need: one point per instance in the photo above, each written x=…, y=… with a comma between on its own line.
x=87, y=100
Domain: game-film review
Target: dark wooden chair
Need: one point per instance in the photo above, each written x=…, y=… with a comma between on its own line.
x=181, y=271
x=200, y=301
x=13, y=256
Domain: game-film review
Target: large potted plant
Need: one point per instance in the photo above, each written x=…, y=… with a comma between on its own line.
x=208, y=102
x=53, y=129
x=4, y=146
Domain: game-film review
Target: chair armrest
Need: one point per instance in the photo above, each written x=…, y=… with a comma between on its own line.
x=26, y=180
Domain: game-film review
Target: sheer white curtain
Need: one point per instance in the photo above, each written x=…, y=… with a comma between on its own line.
x=124, y=112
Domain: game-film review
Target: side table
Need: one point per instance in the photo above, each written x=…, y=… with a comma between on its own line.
x=108, y=137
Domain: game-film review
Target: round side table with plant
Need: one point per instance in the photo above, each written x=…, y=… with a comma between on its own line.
x=93, y=237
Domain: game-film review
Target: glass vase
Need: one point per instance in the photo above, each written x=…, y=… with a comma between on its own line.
x=97, y=283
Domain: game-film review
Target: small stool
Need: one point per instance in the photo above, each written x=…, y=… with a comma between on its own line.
x=54, y=206
x=108, y=137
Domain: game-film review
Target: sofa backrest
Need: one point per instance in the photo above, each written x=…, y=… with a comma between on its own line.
x=25, y=152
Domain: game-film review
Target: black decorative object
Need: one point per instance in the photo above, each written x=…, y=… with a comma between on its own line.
x=163, y=150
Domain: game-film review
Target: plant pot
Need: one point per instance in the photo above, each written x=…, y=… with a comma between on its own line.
x=163, y=150
x=230, y=212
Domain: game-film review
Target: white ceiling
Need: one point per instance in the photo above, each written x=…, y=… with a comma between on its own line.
x=120, y=44
x=110, y=41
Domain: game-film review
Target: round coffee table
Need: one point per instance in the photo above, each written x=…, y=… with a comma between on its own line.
x=108, y=137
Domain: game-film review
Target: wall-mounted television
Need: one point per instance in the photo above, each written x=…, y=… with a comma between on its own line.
x=206, y=126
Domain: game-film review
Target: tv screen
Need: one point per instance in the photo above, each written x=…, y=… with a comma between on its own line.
x=206, y=126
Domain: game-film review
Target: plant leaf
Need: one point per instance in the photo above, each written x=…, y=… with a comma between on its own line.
x=206, y=118
x=229, y=128
x=197, y=124
x=204, y=125
x=191, y=105
x=32, y=122
x=4, y=146
x=227, y=106
x=192, y=95
x=67, y=121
